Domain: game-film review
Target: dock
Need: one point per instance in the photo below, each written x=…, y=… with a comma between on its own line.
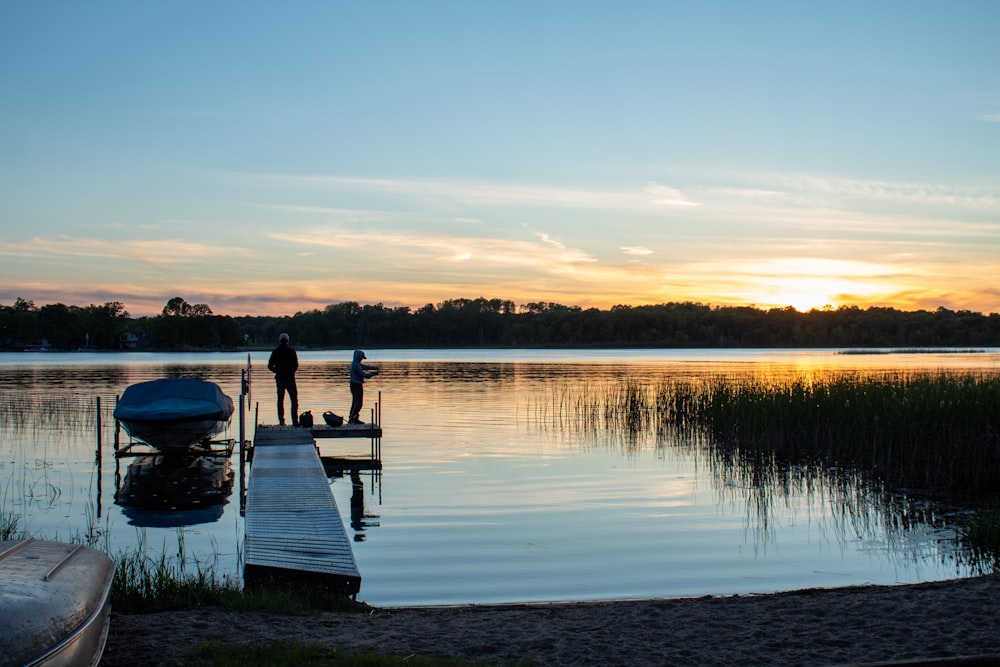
x=294, y=530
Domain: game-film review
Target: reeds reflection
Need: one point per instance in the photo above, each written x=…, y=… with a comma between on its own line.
x=870, y=448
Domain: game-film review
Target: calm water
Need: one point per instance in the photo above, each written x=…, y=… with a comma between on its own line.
x=493, y=488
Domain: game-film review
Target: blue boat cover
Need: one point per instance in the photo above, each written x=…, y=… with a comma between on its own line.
x=172, y=399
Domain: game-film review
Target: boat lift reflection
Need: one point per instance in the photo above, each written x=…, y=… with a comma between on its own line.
x=175, y=490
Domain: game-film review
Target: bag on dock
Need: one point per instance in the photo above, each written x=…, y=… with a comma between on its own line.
x=306, y=419
x=332, y=419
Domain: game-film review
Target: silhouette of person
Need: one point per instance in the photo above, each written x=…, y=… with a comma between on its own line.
x=359, y=373
x=283, y=363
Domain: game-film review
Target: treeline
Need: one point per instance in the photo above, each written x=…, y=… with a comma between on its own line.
x=491, y=323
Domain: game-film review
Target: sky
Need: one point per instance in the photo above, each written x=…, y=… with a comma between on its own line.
x=269, y=158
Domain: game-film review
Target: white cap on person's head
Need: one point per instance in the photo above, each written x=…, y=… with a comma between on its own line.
x=283, y=338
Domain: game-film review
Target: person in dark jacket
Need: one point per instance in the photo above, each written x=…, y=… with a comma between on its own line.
x=359, y=373
x=283, y=363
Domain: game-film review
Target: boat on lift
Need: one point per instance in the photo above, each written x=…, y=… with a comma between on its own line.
x=172, y=415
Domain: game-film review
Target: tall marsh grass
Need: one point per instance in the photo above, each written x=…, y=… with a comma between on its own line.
x=855, y=439
x=939, y=433
x=37, y=410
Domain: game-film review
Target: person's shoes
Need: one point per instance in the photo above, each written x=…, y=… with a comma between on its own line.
x=296, y=424
x=355, y=421
x=281, y=422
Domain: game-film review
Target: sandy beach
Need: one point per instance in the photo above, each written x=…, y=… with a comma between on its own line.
x=952, y=622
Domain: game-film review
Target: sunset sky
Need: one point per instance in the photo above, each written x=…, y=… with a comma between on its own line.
x=274, y=157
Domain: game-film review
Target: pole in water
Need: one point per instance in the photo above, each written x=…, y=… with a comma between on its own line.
x=99, y=475
x=118, y=430
x=243, y=457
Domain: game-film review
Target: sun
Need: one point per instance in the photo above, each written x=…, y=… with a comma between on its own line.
x=803, y=294
x=807, y=284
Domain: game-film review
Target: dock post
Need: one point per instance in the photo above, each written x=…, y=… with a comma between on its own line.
x=99, y=448
x=118, y=430
x=98, y=429
x=243, y=456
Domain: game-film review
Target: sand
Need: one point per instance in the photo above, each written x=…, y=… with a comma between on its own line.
x=954, y=622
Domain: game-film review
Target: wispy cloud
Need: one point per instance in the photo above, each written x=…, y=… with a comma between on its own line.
x=648, y=196
x=663, y=195
x=814, y=188
x=546, y=252
x=636, y=250
x=156, y=253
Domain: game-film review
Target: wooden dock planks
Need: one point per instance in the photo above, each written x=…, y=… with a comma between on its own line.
x=293, y=525
x=347, y=431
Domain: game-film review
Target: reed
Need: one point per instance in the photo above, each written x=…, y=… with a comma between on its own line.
x=46, y=411
x=9, y=527
x=144, y=582
x=858, y=436
x=939, y=433
x=981, y=533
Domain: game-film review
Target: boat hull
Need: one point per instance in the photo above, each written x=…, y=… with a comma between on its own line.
x=173, y=436
x=172, y=414
x=54, y=603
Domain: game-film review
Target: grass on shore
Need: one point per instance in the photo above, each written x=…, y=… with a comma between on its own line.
x=144, y=583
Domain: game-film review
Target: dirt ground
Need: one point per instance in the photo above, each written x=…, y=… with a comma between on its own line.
x=954, y=622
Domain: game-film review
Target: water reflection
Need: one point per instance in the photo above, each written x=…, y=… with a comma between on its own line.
x=509, y=480
x=850, y=505
x=361, y=519
x=182, y=490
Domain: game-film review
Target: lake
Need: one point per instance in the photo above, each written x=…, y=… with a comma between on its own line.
x=493, y=488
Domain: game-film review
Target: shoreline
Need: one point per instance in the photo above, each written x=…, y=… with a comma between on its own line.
x=943, y=621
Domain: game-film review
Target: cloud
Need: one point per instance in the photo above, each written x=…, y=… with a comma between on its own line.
x=636, y=250
x=159, y=253
x=648, y=197
x=546, y=252
x=545, y=238
x=810, y=186
x=749, y=193
x=661, y=195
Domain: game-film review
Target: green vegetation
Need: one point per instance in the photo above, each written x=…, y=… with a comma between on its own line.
x=940, y=433
x=303, y=654
x=861, y=437
x=983, y=528
x=868, y=435
x=492, y=322
x=9, y=527
x=147, y=583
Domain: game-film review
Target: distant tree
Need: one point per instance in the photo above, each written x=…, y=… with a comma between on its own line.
x=177, y=307
x=199, y=310
x=60, y=324
x=23, y=305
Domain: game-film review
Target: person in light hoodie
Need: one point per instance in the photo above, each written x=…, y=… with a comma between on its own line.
x=359, y=373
